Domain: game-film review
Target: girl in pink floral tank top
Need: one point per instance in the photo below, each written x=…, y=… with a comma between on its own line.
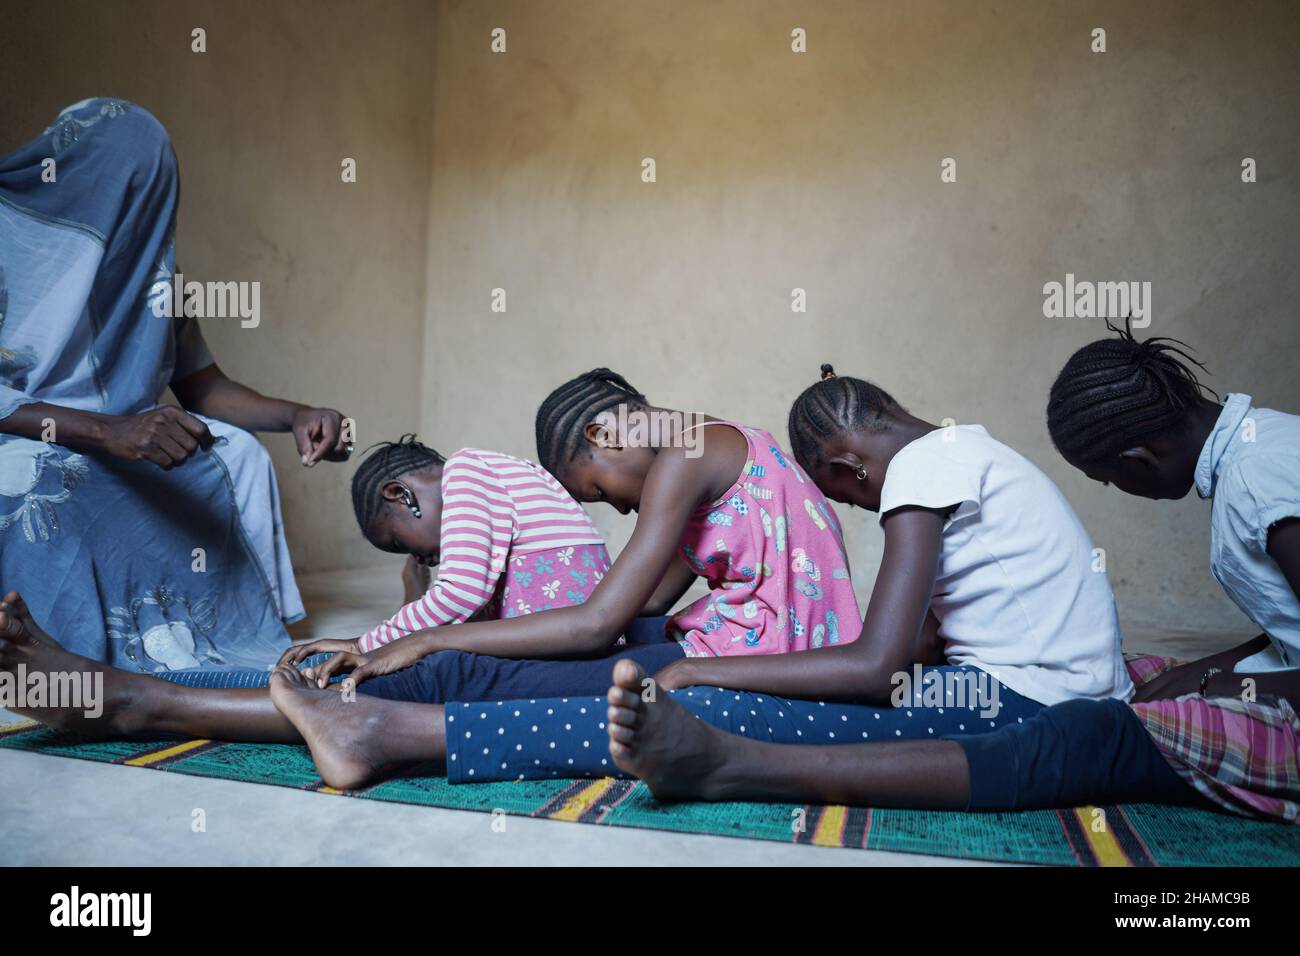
x=740, y=513
x=773, y=554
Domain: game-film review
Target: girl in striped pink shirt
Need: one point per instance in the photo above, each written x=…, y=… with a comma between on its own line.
x=505, y=537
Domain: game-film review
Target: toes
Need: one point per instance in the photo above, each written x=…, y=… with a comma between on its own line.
x=620, y=751
x=621, y=697
x=622, y=734
x=14, y=603
x=628, y=674
x=627, y=716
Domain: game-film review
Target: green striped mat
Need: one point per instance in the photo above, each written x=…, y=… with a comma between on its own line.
x=1133, y=835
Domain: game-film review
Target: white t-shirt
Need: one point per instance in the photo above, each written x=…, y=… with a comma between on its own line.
x=1016, y=594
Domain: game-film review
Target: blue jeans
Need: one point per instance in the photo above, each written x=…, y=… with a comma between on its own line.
x=536, y=738
x=1071, y=754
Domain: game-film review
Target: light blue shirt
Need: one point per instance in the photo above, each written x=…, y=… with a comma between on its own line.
x=1250, y=467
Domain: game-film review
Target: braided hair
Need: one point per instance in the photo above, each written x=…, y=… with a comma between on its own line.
x=833, y=406
x=1115, y=393
x=567, y=411
x=390, y=461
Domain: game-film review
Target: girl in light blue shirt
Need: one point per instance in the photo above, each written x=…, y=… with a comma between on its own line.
x=1133, y=414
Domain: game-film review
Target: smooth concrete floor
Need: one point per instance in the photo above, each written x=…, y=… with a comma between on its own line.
x=55, y=811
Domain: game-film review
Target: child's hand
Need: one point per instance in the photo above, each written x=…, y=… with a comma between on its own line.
x=298, y=653
x=387, y=659
x=675, y=676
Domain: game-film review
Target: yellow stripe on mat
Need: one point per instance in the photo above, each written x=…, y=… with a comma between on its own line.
x=830, y=828
x=1104, y=845
x=583, y=801
x=20, y=723
x=145, y=759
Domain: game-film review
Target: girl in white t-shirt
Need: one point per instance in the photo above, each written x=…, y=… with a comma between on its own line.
x=979, y=544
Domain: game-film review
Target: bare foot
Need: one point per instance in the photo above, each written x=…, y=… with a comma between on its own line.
x=13, y=602
x=94, y=699
x=345, y=735
x=678, y=755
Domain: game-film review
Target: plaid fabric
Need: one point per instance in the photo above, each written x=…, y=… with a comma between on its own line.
x=1242, y=755
x=1147, y=667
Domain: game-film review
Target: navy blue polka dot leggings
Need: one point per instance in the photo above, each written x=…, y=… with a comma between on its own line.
x=566, y=736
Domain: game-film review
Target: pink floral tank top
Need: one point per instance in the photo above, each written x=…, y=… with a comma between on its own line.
x=773, y=553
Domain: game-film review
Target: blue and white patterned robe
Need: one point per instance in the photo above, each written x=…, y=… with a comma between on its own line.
x=123, y=562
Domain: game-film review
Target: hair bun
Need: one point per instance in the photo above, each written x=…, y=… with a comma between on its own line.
x=828, y=371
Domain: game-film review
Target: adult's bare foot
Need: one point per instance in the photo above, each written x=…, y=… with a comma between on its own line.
x=21, y=617
x=348, y=736
x=679, y=756
x=76, y=693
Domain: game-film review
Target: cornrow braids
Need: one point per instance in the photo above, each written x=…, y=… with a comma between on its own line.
x=567, y=411
x=390, y=461
x=831, y=407
x=1115, y=393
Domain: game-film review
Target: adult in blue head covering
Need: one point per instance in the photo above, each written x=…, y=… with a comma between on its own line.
x=148, y=536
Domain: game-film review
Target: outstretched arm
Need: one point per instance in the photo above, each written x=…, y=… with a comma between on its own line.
x=862, y=670
x=318, y=431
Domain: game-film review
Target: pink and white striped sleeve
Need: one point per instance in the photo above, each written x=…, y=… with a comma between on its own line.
x=478, y=525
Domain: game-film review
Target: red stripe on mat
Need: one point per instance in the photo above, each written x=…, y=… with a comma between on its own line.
x=1076, y=838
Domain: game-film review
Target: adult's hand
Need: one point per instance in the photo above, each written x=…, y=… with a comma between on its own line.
x=319, y=434
x=166, y=436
